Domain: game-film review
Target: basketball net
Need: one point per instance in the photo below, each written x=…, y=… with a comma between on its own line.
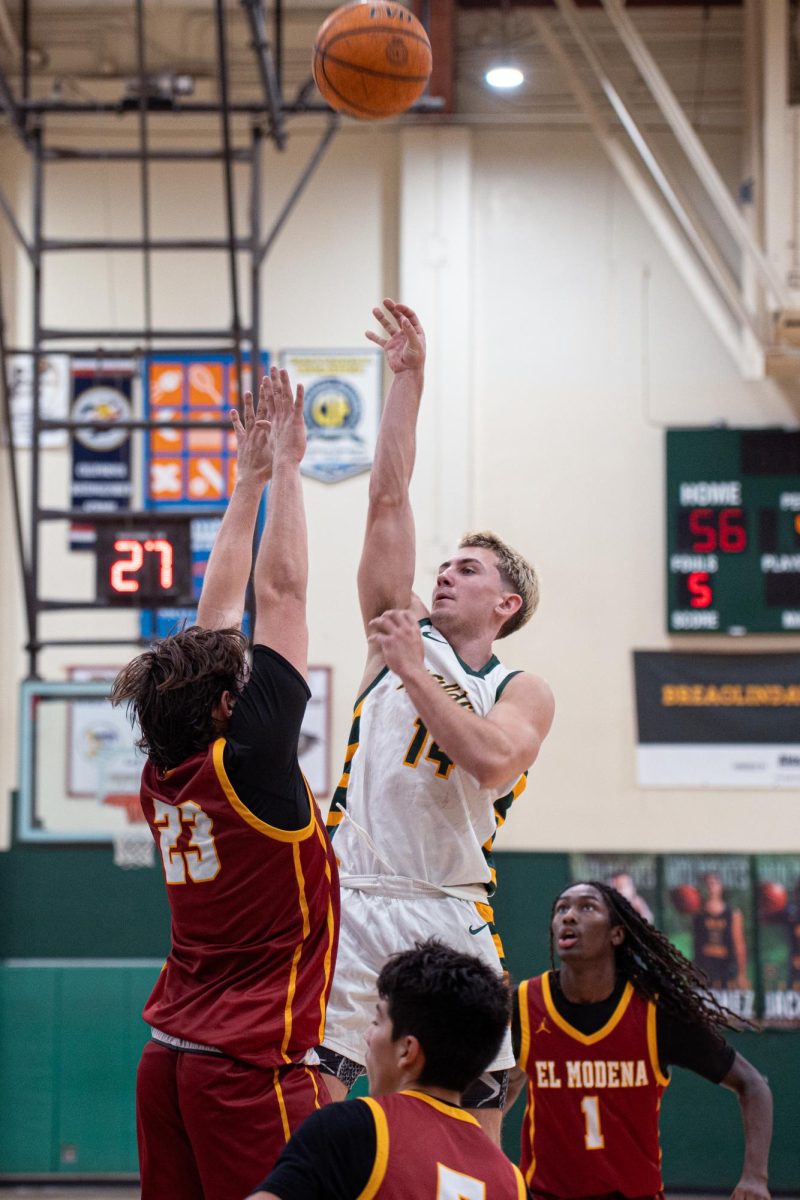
x=119, y=788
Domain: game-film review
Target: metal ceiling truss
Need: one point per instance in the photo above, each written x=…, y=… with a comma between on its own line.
x=29, y=120
x=744, y=317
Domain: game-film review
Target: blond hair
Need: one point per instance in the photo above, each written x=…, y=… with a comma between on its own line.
x=515, y=571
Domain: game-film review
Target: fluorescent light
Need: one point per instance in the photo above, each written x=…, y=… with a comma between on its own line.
x=504, y=77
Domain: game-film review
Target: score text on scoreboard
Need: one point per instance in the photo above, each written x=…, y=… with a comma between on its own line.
x=733, y=531
x=143, y=567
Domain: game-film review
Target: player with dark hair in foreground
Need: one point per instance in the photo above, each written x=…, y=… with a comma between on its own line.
x=250, y=874
x=439, y=1021
x=594, y=1042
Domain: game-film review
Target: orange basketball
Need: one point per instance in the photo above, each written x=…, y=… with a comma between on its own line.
x=686, y=898
x=371, y=60
x=772, y=898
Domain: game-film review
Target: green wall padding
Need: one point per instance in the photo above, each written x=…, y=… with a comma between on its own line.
x=70, y=1037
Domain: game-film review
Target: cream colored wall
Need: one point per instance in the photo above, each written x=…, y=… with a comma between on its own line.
x=562, y=341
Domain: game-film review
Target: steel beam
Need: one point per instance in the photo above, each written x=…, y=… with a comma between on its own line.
x=696, y=152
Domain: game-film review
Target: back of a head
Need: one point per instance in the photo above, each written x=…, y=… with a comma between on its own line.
x=171, y=688
x=516, y=572
x=454, y=1004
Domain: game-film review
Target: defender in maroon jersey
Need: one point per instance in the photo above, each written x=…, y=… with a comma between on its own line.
x=439, y=1021
x=594, y=1043
x=251, y=878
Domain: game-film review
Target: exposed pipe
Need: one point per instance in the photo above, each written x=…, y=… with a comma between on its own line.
x=227, y=167
x=270, y=78
x=144, y=174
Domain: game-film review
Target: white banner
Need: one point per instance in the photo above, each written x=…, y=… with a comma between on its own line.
x=342, y=409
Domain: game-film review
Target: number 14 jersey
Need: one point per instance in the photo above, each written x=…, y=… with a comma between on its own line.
x=403, y=808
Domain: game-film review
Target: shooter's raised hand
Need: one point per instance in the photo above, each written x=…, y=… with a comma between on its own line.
x=403, y=338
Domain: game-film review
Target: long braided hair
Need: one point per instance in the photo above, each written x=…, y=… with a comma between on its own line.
x=656, y=968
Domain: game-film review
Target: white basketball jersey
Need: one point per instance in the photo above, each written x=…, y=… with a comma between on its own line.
x=403, y=809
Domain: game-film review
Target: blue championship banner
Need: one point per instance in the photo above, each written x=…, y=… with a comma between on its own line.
x=718, y=720
x=101, y=458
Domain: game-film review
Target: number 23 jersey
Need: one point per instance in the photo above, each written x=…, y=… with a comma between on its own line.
x=402, y=807
x=591, y=1119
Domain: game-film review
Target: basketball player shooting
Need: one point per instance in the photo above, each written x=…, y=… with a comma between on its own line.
x=442, y=738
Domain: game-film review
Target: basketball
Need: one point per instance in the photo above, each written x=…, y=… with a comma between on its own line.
x=685, y=898
x=772, y=898
x=371, y=60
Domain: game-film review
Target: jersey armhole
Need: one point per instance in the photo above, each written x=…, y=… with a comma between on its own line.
x=524, y=1026
x=652, y=1045
x=503, y=684
x=381, y=1162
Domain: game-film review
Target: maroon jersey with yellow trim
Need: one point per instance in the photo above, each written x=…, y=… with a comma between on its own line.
x=428, y=1148
x=254, y=918
x=591, y=1121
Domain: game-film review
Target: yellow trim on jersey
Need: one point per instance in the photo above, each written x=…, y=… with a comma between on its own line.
x=287, y=1133
x=586, y=1039
x=519, y=786
x=381, y=1162
x=442, y=1106
x=485, y=911
x=310, y=1075
x=652, y=1045
x=531, y=1113
x=522, y=1191
x=271, y=831
x=330, y=923
x=524, y=1025
x=298, y=950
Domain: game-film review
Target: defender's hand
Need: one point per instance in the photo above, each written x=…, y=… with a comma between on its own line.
x=287, y=426
x=403, y=340
x=253, y=447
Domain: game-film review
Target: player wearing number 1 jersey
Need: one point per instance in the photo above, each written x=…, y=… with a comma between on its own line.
x=441, y=741
x=595, y=1041
x=250, y=874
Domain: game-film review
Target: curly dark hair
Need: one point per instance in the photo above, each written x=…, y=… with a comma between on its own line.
x=455, y=1005
x=655, y=967
x=171, y=689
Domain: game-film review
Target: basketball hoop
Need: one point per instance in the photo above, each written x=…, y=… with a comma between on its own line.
x=133, y=851
x=119, y=788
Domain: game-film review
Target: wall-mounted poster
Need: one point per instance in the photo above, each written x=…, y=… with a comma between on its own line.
x=779, y=936
x=635, y=876
x=708, y=914
x=342, y=409
x=102, y=390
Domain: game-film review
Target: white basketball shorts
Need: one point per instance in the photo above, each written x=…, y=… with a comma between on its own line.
x=374, y=926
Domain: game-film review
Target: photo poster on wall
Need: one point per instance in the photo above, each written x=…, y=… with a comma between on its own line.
x=634, y=876
x=190, y=468
x=101, y=479
x=778, y=913
x=342, y=409
x=708, y=913
x=54, y=397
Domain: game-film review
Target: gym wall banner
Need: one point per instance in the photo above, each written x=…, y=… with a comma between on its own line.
x=708, y=915
x=342, y=409
x=717, y=720
x=101, y=458
x=779, y=936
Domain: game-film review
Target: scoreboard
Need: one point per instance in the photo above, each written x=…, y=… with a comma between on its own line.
x=733, y=531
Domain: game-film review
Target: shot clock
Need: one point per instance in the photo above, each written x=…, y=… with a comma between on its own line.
x=142, y=567
x=733, y=531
